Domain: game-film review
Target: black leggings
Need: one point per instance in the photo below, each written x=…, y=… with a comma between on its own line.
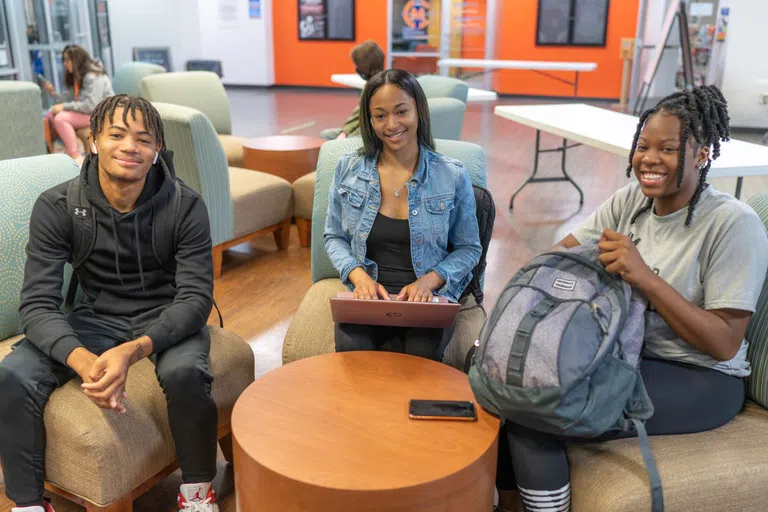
x=416, y=341
x=686, y=399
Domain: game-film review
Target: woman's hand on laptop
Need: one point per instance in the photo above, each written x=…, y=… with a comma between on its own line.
x=421, y=289
x=365, y=287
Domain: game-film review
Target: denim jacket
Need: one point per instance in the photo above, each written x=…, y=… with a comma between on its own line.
x=441, y=211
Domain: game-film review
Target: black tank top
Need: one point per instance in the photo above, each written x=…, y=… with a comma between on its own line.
x=389, y=245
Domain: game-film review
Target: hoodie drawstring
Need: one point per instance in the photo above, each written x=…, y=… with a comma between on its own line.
x=117, y=248
x=138, y=250
x=114, y=239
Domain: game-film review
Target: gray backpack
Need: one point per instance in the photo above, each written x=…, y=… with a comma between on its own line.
x=560, y=353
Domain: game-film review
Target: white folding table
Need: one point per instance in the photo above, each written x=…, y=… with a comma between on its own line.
x=356, y=82
x=540, y=67
x=613, y=132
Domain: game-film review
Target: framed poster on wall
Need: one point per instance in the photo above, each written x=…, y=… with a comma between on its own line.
x=572, y=22
x=159, y=56
x=326, y=20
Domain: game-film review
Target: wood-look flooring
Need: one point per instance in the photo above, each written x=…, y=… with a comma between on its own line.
x=262, y=287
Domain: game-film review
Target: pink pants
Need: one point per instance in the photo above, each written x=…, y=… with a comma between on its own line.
x=65, y=123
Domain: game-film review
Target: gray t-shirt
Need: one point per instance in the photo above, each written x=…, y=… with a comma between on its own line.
x=718, y=262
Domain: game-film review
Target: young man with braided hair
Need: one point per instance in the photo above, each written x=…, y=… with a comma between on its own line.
x=698, y=255
x=134, y=305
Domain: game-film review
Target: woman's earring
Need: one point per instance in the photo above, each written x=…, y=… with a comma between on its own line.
x=93, y=148
x=155, y=160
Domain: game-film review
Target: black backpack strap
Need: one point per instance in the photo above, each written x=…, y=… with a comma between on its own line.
x=82, y=218
x=486, y=216
x=485, y=211
x=165, y=236
x=164, y=225
x=657, y=493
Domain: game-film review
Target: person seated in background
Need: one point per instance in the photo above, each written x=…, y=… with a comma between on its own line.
x=401, y=217
x=368, y=58
x=87, y=84
x=699, y=256
x=134, y=306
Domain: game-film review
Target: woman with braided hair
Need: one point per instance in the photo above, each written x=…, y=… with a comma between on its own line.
x=681, y=243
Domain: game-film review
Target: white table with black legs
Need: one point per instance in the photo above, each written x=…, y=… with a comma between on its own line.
x=613, y=132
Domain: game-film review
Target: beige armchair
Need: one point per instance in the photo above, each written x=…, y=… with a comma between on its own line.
x=96, y=458
x=242, y=204
x=203, y=91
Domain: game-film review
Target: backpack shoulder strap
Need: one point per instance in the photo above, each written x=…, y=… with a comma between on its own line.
x=657, y=493
x=165, y=235
x=82, y=218
x=164, y=226
x=486, y=216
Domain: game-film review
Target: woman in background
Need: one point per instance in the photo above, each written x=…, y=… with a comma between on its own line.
x=87, y=84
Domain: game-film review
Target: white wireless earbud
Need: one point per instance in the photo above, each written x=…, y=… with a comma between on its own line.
x=155, y=160
x=93, y=148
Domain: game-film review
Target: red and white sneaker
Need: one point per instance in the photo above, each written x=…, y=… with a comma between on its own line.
x=37, y=508
x=197, y=498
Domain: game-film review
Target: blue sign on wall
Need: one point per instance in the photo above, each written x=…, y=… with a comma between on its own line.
x=254, y=9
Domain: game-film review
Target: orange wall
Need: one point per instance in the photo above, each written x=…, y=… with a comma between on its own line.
x=516, y=40
x=312, y=62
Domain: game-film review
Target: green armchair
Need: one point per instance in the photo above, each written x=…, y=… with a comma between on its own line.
x=21, y=132
x=203, y=91
x=311, y=330
x=127, y=78
x=436, y=86
x=447, y=117
x=723, y=469
x=242, y=204
x=95, y=458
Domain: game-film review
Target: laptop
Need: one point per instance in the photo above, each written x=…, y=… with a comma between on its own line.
x=440, y=313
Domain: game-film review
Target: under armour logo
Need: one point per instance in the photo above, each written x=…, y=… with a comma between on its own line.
x=81, y=212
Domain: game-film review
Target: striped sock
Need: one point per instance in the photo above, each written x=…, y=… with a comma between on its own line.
x=558, y=500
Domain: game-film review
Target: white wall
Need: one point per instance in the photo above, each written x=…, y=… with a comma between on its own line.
x=193, y=29
x=243, y=45
x=171, y=23
x=746, y=62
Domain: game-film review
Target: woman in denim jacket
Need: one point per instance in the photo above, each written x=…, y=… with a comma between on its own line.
x=401, y=218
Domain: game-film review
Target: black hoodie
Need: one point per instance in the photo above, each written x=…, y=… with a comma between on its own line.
x=121, y=276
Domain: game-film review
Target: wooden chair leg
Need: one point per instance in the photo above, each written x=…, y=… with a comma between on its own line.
x=304, y=227
x=283, y=234
x=48, y=134
x=225, y=443
x=124, y=504
x=218, y=258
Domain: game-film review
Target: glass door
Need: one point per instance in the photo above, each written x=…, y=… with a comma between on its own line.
x=7, y=71
x=102, y=39
x=52, y=25
x=415, y=30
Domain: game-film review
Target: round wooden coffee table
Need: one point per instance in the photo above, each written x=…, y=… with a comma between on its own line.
x=287, y=156
x=332, y=432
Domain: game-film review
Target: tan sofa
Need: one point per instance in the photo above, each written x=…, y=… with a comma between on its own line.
x=718, y=471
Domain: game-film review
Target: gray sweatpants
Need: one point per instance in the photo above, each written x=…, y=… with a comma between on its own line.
x=28, y=377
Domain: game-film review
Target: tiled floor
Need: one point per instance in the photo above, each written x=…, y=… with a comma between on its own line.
x=258, y=301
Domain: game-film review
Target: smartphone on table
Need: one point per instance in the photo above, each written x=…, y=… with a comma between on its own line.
x=456, y=410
